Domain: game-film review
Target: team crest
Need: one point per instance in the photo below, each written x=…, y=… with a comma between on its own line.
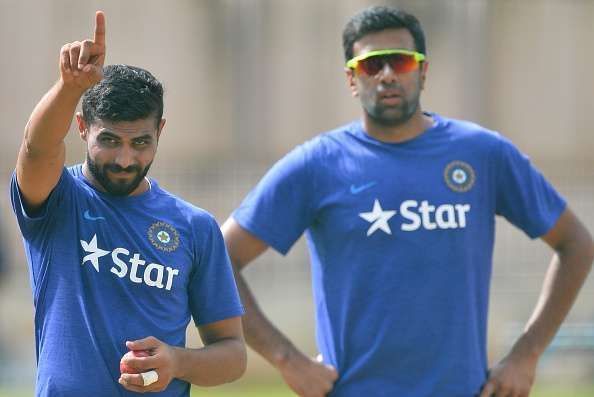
x=459, y=176
x=163, y=236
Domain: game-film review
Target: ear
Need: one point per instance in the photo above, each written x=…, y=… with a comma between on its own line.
x=350, y=76
x=83, y=131
x=424, y=68
x=161, y=125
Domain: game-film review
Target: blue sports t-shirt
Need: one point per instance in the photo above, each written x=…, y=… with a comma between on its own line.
x=108, y=269
x=401, y=240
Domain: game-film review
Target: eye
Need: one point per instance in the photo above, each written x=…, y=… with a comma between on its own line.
x=142, y=142
x=108, y=141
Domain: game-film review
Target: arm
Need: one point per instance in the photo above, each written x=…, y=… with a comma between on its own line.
x=305, y=376
x=42, y=153
x=221, y=360
x=567, y=272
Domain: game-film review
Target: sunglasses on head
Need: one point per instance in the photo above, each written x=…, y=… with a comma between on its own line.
x=400, y=61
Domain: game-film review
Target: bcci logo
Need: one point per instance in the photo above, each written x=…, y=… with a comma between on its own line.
x=163, y=236
x=459, y=176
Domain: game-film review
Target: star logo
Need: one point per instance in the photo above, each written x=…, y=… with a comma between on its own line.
x=95, y=252
x=378, y=218
x=163, y=237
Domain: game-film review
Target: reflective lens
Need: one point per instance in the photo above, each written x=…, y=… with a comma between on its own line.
x=400, y=61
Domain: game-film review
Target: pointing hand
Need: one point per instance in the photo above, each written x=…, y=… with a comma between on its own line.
x=81, y=62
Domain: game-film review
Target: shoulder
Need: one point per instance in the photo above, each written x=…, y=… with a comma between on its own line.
x=329, y=142
x=73, y=175
x=190, y=213
x=463, y=131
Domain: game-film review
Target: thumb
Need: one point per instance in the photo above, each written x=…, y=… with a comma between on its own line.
x=488, y=389
x=148, y=343
x=94, y=72
x=332, y=370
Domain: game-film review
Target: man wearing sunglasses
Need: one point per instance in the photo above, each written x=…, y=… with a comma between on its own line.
x=399, y=213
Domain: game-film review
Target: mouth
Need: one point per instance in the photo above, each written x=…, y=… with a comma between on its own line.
x=121, y=177
x=390, y=99
x=390, y=96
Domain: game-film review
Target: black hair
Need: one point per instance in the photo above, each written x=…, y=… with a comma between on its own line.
x=377, y=18
x=126, y=93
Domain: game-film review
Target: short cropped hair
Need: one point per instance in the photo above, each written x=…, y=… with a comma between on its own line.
x=377, y=18
x=126, y=93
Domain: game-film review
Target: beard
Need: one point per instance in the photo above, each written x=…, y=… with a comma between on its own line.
x=391, y=116
x=117, y=188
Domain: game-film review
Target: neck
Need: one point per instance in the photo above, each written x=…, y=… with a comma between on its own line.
x=410, y=129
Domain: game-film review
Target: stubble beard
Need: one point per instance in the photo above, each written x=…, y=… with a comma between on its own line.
x=393, y=116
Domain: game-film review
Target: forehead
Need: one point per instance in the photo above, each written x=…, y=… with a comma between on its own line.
x=125, y=128
x=384, y=39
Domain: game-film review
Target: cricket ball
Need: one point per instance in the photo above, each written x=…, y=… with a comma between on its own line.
x=125, y=369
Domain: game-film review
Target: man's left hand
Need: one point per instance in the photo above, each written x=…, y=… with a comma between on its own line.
x=511, y=377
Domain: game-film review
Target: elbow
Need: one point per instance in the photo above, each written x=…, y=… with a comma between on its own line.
x=590, y=255
x=588, y=250
x=240, y=364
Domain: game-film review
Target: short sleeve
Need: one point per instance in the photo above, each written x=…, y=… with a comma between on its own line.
x=281, y=207
x=213, y=294
x=524, y=197
x=33, y=224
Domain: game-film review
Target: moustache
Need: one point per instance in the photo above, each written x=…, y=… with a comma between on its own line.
x=117, y=169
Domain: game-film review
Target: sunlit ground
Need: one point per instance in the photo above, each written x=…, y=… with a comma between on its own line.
x=240, y=390
x=243, y=389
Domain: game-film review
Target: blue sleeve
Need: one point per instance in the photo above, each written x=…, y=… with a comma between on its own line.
x=281, y=207
x=212, y=292
x=524, y=197
x=38, y=228
x=35, y=224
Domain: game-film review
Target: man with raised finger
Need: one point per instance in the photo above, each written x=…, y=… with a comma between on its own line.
x=116, y=263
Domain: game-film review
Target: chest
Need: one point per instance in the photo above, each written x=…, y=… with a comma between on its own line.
x=407, y=193
x=126, y=249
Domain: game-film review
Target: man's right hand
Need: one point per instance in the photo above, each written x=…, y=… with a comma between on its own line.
x=43, y=152
x=306, y=376
x=81, y=62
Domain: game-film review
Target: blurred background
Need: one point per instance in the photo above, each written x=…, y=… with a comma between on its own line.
x=247, y=80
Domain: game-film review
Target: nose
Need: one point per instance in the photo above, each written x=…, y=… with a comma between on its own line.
x=125, y=157
x=387, y=74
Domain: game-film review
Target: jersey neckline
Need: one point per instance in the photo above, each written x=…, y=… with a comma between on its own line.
x=356, y=129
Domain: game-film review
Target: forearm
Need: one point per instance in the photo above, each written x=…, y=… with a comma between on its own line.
x=50, y=120
x=260, y=334
x=220, y=362
x=566, y=274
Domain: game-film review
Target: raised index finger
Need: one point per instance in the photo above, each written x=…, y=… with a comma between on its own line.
x=99, y=28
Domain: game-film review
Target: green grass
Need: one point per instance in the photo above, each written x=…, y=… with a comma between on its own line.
x=278, y=390
x=243, y=389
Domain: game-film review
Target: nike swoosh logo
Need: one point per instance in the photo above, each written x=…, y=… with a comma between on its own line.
x=359, y=189
x=89, y=217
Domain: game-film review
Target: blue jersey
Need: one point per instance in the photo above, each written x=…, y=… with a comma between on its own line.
x=401, y=240
x=107, y=269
